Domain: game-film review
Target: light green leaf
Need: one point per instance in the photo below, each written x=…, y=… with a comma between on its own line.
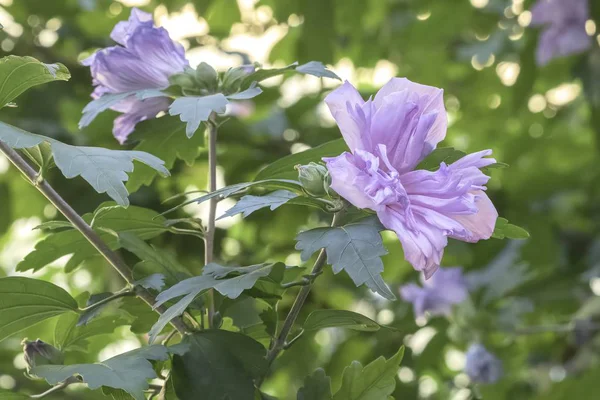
x=504, y=230
x=440, y=155
x=129, y=371
x=320, y=319
x=376, y=381
x=261, y=74
x=316, y=387
x=214, y=276
x=17, y=74
x=284, y=167
x=249, y=93
x=25, y=302
x=356, y=248
x=165, y=138
x=194, y=110
x=248, y=204
x=105, y=170
x=7, y=395
x=223, y=193
x=222, y=14
x=142, y=222
x=220, y=365
x=316, y=68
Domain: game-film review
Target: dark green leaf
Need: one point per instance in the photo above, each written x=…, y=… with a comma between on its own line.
x=220, y=365
x=154, y=261
x=166, y=139
x=356, y=248
x=26, y=302
x=284, y=167
x=17, y=74
x=68, y=335
x=376, y=381
x=142, y=222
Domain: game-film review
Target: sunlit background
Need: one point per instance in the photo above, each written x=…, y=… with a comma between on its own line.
x=481, y=52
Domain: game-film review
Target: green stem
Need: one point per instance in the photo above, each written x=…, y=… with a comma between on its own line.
x=209, y=237
x=123, y=293
x=280, y=342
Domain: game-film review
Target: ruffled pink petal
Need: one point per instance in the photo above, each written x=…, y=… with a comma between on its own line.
x=423, y=245
x=433, y=102
x=343, y=103
x=348, y=180
x=481, y=224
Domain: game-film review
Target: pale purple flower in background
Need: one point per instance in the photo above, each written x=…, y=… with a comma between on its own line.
x=446, y=288
x=144, y=59
x=563, y=28
x=240, y=109
x=388, y=136
x=482, y=366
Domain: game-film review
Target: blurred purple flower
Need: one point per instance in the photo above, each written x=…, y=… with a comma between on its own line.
x=388, y=136
x=144, y=59
x=438, y=294
x=563, y=28
x=482, y=366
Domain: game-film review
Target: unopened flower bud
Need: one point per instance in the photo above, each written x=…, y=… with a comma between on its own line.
x=40, y=353
x=314, y=178
x=234, y=76
x=184, y=79
x=207, y=77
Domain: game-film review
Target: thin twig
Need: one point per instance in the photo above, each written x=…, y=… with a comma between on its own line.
x=170, y=336
x=280, y=342
x=95, y=240
x=118, y=295
x=209, y=237
x=52, y=390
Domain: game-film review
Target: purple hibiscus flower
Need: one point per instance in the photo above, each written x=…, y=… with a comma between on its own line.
x=482, y=366
x=144, y=59
x=563, y=28
x=388, y=136
x=438, y=294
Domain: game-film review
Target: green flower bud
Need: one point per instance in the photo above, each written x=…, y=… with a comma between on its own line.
x=40, y=353
x=314, y=178
x=207, y=77
x=186, y=79
x=234, y=76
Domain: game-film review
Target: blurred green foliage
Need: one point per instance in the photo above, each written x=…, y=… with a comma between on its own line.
x=543, y=122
